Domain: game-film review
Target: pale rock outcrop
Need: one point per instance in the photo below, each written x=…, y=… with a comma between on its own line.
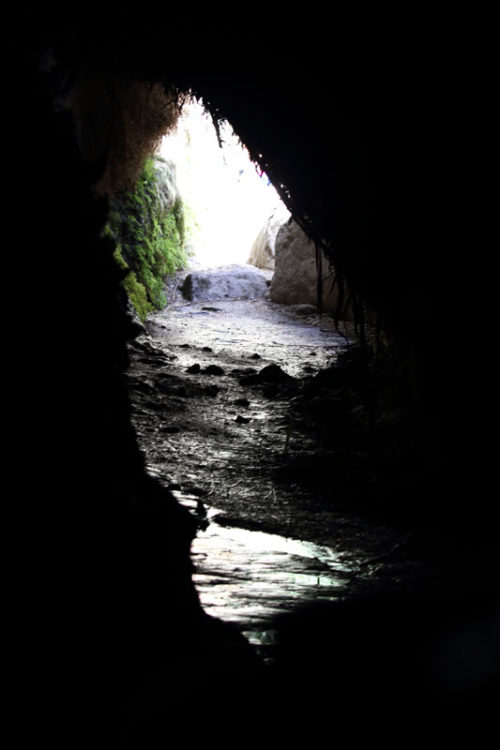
x=167, y=191
x=295, y=278
x=227, y=282
x=262, y=252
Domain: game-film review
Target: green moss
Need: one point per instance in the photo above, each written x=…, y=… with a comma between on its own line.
x=149, y=240
x=138, y=295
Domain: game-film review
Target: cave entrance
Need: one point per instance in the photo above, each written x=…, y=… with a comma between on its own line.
x=215, y=391
x=228, y=401
x=227, y=199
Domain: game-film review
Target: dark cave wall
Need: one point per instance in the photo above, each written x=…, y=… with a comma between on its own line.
x=84, y=515
x=104, y=616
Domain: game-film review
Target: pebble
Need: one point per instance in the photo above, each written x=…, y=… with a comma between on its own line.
x=242, y=420
x=213, y=370
x=242, y=402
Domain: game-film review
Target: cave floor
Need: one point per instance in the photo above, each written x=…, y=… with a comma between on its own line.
x=250, y=415
x=231, y=415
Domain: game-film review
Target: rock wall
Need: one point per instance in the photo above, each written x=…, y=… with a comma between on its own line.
x=104, y=617
x=295, y=277
x=262, y=252
x=166, y=184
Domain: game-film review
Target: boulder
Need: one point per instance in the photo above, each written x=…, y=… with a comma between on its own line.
x=262, y=252
x=167, y=192
x=228, y=282
x=295, y=276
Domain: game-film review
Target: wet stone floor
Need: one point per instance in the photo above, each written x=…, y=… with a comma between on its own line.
x=213, y=389
x=248, y=578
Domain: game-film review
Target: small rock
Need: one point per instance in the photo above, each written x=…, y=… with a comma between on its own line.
x=213, y=370
x=304, y=309
x=255, y=356
x=141, y=386
x=207, y=349
x=152, y=361
x=274, y=374
x=194, y=369
x=240, y=372
x=197, y=491
x=211, y=390
x=242, y=420
x=270, y=374
x=200, y=509
x=242, y=402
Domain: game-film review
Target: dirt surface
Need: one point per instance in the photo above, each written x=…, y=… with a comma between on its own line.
x=232, y=404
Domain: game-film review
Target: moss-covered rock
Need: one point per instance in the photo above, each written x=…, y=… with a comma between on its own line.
x=147, y=224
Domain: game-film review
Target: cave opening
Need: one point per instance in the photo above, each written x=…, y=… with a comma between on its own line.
x=212, y=381
x=227, y=198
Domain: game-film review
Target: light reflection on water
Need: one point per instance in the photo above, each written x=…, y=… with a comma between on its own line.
x=250, y=577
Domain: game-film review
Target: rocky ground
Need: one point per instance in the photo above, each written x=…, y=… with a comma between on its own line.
x=256, y=416
x=239, y=402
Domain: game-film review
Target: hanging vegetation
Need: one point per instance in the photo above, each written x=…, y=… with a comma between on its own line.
x=147, y=225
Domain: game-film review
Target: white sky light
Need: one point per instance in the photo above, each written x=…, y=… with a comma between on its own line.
x=222, y=188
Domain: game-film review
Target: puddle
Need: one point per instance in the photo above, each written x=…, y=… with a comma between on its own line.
x=248, y=578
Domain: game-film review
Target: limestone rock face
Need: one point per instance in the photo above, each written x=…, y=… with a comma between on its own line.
x=166, y=184
x=295, y=275
x=262, y=252
x=227, y=282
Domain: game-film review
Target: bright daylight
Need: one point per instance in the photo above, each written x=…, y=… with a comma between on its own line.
x=226, y=200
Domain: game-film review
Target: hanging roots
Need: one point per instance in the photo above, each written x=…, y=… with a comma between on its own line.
x=120, y=121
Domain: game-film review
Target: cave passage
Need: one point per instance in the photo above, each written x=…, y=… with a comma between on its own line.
x=214, y=378
x=234, y=408
x=231, y=407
